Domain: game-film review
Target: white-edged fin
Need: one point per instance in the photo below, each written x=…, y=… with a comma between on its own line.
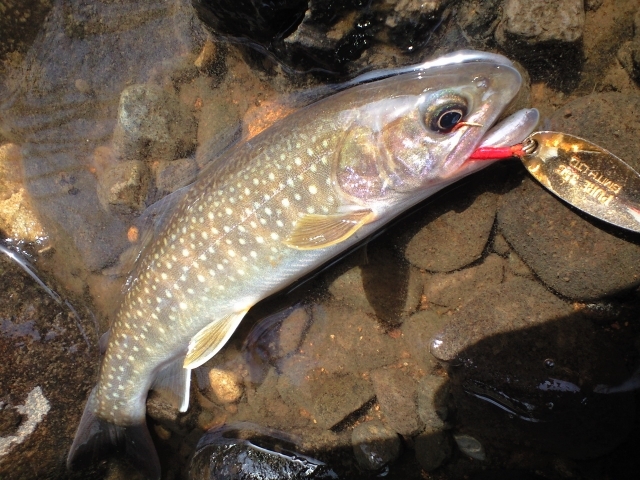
x=104, y=341
x=173, y=383
x=208, y=341
x=320, y=231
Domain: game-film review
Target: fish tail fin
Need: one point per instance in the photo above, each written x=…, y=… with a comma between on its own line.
x=96, y=437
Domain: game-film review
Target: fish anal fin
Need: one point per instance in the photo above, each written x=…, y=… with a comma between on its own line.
x=96, y=437
x=320, y=231
x=173, y=383
x=208, y=341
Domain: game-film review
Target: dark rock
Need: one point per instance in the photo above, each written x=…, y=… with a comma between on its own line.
x=250, y=452
x=465, y=223
x=375, y=445
x=470, y=446
x=397, y=396
x=452, y=290
x=629, y=58
x=432, y=449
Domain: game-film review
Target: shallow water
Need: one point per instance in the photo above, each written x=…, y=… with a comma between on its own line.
x=492, y=312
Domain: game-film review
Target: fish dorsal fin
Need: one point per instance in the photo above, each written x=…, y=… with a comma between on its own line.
x=208, y=341
x=172, y=383
x=320, y=231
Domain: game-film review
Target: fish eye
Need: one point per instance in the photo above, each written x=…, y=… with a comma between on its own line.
x=445, y=113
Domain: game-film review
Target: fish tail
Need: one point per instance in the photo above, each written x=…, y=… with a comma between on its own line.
x=96, y=437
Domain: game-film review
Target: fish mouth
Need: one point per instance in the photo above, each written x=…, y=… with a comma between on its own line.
x=510, y=131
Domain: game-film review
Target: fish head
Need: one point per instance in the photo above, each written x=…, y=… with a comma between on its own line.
x=420, y=126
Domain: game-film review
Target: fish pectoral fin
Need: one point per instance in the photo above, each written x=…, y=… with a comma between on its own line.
x=172, y=383
x=320, y=231
x=208, y=341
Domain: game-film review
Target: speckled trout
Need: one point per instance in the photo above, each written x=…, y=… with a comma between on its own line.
x=277, y=206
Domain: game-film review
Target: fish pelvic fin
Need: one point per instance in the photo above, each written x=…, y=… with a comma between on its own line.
x=320, y=231
x=96, y=438
x=208, y=341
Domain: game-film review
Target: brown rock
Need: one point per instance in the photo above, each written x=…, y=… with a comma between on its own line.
x=397, y=396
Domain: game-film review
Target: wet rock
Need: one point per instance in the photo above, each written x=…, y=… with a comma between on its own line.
x=249, y=452
x=226, y=387
x=123, y=187
x=470, y=446
x=465, y=223
x=517, y=304
x=411, y=21
x=267, y=404
x=170, y=176
x=432, y=449
x=219, y=125
x=479, y=18
x=539, y=21
x=291, y=332
x=500, y=245
x=19, y=23
x=397, y=396
x=375, y=445
x=452, y=290
x=152, y=123
x=433, y=392
x=329, y=398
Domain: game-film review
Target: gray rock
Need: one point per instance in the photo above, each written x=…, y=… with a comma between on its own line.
x=432, y=449
x=152, y=124
x=539, y=21
x=123, y=187
x=433, y=392
x=219, y=125
x=465, y=223
x=516, y=304
x=397, y=396
x=375, y=445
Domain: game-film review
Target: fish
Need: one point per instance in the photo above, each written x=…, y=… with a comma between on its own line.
x=275, y=207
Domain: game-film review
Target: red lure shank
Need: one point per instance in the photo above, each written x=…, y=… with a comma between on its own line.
x=497, y=153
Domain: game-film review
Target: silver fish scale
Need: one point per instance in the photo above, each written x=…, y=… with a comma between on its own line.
x=214, y=253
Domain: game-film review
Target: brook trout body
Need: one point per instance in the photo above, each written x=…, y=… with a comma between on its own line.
x=276, y=207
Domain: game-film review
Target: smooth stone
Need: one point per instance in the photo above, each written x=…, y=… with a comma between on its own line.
x=124, y=186
x=470, y=446
x=433, y=393
x=417, y=332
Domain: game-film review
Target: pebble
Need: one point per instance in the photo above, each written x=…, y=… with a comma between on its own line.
x=397, y=395
x=432, y=449
x=538, y=21
x=375, y=445
x=152, y=124
x=470, y=446
x=226, y=386
x=464, y=220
